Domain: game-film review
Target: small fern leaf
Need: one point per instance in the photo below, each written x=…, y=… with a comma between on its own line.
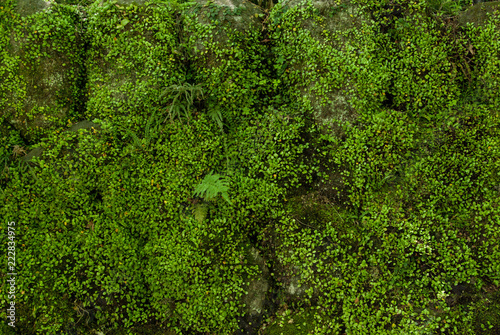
x=137, y=141
x=147, y=133
x=216, y=116
x=201, y=188
x=200, y=212
x=211, y=186
x=225, y=196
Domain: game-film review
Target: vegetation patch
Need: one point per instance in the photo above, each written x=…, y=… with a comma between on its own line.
x=219, y=167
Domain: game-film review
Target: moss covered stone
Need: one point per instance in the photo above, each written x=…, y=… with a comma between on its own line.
x=42, y=69
x=289, y=322
x=478, y=14
x=386, y=221
x=484, y=49
x=259, y=286
x=29, y=7
x=323, y=58
x=132, y=57
x=222, y=40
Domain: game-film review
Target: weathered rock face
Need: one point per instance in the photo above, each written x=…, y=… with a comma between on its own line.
x=483, y=52
x=36, y=152
x=223, y=43
x=85, y=125
x=132, y=57
x=29, y=7
x=320, y=57
x=255, y=299
x=478, y=14
x=258, y=287
x=42, y=68
x=309, y=212
x=128, y=2
x=221, y=20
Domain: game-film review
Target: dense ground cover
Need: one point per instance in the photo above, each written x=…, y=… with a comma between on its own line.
x=298, y=167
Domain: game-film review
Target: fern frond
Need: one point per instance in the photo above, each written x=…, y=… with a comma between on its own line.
x=147, y=132
x=226, y=197
x=182, y=96
x=200, y=212
x=137, y=141
x=201, y=189
x=216, y=116
x=211, y=186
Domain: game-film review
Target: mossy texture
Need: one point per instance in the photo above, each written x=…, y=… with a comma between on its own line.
x=324, y=167
x=132, y=57
x=325, y=59
x=41, y=70
x=222, y=40
x=292, y=323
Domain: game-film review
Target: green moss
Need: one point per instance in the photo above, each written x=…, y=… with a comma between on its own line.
x=226, y=56
x=312, y=209
x=487, y=315
x=132, y=57
x=292, y=323
x=479, y=14
x=325, y=62
x=42, y=69
x=375, y=217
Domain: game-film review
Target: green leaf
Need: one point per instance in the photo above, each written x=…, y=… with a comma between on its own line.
x=200, y=212
x=211, y=186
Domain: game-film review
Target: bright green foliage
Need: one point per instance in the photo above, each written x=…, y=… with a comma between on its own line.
x=422, y=210
x=132, y=57
x=448, y=7
x=41, y=71
x=359, y=154
x=487, y=72
x=182, y=97
x=226, y=56
x=110, y=221
x=151, y=133
x=288, y=323
x=8, y=158
x=326, y=62
x=211, y=186
x=272, y=156
x=426, y=76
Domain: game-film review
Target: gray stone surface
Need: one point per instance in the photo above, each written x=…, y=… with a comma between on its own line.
x=478, y=14
x=258, y=287
x=85, y=124
x=37, y=152
x=29, y=7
